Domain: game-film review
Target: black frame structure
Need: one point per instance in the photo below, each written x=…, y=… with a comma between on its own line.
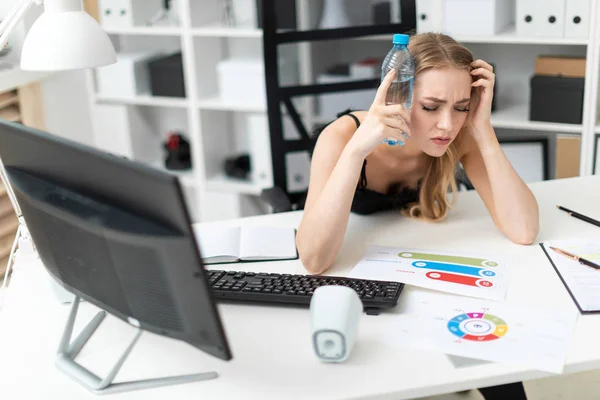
x=595, y=168
x=543, y=140
x=276, y=95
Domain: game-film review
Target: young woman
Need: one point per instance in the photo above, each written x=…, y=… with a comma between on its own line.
x=448, y=123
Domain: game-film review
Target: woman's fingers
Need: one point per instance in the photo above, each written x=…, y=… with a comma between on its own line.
x=384, y=87
x=395, y=111
x=485, y=73
x=482, y=82
x=397, y=123
x=482, y=64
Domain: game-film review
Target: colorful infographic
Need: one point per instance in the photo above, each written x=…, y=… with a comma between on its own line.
x=478, y=327
x=468, y=275
x=535, y=337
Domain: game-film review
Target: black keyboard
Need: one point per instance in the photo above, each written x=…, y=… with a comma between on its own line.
x=286, y=289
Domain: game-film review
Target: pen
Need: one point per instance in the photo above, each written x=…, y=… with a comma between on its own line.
x=579, y=216
x=576, y=258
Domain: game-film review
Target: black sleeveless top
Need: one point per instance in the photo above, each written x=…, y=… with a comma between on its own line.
x=367, y=201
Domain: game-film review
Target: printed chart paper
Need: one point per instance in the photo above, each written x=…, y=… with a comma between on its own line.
x=479, y=329
x=468, y=275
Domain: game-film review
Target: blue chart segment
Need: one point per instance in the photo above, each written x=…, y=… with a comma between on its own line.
x=456, y=268
x=478, y=327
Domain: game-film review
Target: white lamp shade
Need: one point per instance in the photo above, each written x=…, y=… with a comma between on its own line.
x=66, y=40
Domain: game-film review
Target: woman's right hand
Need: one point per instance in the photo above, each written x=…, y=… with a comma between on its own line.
x=382, y=121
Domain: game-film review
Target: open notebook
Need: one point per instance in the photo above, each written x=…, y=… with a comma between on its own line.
x=227, y=244
x=582, y=282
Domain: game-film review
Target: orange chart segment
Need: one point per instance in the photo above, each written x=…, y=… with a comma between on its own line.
x=501, y=330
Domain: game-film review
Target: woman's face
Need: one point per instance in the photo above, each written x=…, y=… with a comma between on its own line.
x=440, y=107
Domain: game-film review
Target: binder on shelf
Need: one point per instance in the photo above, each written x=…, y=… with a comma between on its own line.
x=430, y=15
x=577, y=19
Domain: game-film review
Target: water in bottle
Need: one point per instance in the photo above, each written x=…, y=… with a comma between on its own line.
x=399, y=58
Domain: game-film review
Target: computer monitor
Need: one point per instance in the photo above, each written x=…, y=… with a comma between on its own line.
x=116, y=233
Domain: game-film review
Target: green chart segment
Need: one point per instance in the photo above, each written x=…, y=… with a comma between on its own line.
x=449, y=259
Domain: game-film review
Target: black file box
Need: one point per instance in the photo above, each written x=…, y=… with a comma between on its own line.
x=556, y=99
x=166, y=76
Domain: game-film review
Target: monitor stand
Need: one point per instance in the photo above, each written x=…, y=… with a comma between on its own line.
x=68, y=351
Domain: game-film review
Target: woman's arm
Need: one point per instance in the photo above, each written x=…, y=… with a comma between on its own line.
x=511, y=204
x=335, y=170
x=509, y=200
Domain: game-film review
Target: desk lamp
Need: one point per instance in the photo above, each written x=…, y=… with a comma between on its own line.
x=63, y=38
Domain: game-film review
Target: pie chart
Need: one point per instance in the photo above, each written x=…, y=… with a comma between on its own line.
x=477, y=326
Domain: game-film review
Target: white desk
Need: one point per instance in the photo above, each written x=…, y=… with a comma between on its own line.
x=271, y=347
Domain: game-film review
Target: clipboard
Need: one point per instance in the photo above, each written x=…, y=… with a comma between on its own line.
x=577, y=303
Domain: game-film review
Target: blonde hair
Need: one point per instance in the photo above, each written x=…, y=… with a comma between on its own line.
x=434, y=50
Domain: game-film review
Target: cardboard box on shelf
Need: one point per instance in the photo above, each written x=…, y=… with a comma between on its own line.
x=573, y=67
x=568, y=149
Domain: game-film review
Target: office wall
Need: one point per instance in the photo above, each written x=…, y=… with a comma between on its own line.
x=64, y=96
x=66, y=106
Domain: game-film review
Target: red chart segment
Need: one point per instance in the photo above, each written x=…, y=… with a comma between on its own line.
x=477, y=327
x=460, y=279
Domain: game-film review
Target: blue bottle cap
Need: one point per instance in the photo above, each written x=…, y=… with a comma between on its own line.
x=400, y=38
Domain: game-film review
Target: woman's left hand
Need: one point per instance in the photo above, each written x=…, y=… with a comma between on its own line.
x=480, y=117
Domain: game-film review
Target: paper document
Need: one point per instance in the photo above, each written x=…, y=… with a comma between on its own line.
x=582, y=282
x=469, y=275
x=533, y=337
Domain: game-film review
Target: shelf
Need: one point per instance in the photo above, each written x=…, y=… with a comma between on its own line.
x=517, y=117
x=509, y=37
x=511, y=117
x=11, y=113
x=8, y=98
x=145, y=100
x=217, y=30
x=146, y=30
x=224, y=184
x=215, y=103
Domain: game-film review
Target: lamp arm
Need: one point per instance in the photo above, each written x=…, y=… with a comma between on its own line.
x=9, y=191
x=10, y=15
x=14, y=16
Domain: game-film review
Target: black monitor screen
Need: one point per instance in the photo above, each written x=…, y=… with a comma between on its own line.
x=115, y=233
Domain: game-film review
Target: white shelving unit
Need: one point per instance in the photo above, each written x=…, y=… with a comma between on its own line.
x=216, y=127
x=206, y=119
x=144, y=100
x=508, y=37
x=219, y=30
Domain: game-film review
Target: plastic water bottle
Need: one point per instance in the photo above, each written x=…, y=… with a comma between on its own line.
x=400, y=91
x=399, y=58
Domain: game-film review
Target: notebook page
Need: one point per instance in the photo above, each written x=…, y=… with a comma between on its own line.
x=218, y=241
x=267, y=243
x=583, y=281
